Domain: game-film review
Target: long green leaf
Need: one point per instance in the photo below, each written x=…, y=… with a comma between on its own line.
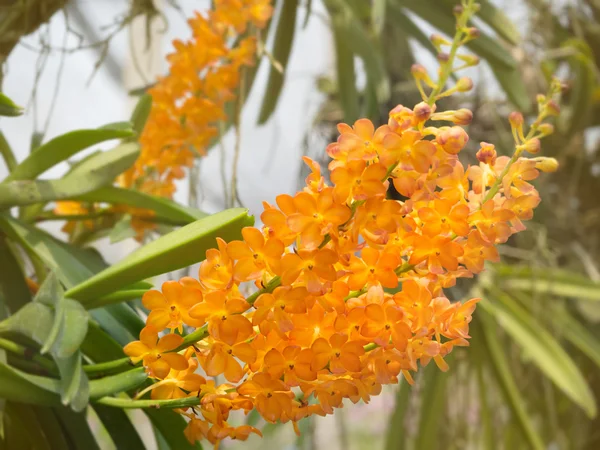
x=578, y=334
x=51, y=427
x=542, y=348
x=163, y=207
x=87, y=177
x=548, y=281
x=63, y=147
x=21, y=387
x=8, y=107
x=13, y=288
x=119, y=427
x=141, y=112
x=171, y=426
x=345, y=72
x=486, y=328
x=25, y=414
x=284, y=36
x=77, y=428
x=432, y=408
x=176, y=250
x=396, y=433
x=409, y=27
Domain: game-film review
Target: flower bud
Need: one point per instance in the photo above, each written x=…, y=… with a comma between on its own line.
x=419, y=72
x=443, y=57
x=516, y=119
x=533, y=146
x=422, y=112
x=546, y=129
x=552, y=108
x=452, y=140
x=438, y=40
x=469, y=60
x=460, y=117
x=464, y=84
x=487, y=154
x=472, y=33
x=458, y=10
x=546, y=164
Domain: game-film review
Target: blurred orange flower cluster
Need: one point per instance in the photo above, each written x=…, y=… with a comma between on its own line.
x=350, y=283
x=189, y=102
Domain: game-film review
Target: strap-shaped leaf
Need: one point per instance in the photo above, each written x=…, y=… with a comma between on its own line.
x=284, y=36
x=8, y=107
x=176, y=250
x=76, y=426
x=119, y=427
x=64, y=146
x=578, y=334
x=22, y=387
x=171, y=425
x=88, y=176
x=485, y=328
x=50, y=426
x=164, y=208
x=141, y=112
x=542, y=348
x=13, y=288
x=395, y=439
x=432, y=408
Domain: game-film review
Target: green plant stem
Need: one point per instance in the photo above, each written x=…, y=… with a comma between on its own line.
x=109, y=366
x=127, y=403
x=27, y=354
x=447, y=66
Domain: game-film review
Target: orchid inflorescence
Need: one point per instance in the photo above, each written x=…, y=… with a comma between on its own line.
x=350, y=283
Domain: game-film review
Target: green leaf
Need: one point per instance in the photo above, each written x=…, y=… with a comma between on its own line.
x=118, y=383
x=77, y=428
x=543, y=349
x=8, y=107
x=396, y=431
x=50, y=291
x=378, y=14
x=284, y=36
x=547, y=281
x=119, y=428
x=14, y=291
x=346, y=77
x=25, y=414
x=88, y=176
x=22, y=387
x=582, y=86
x=99, y=346
x=122, y=230
x=63, y=147
x=163, y=207
x=432, y=408
x=512, y=84
x=7, y=153
x=409, y=27
x=578, y=334
x=486, y=328
x=176, y=250
x=51, y=427
x=140, y=114
x=74, y=384
x=171, y=426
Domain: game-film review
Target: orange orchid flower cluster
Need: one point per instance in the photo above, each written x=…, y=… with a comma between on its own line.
x=350, y=283
x=189, y=102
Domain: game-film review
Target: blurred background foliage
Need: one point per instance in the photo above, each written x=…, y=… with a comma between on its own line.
x=531, y=377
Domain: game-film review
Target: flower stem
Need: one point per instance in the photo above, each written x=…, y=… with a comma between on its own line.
x=127, y=403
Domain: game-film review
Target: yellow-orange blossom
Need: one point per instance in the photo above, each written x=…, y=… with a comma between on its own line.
x=327, y=326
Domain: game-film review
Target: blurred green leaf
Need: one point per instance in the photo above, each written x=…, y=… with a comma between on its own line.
x=8, y=107
x=512, y=84
x=485, y=328
x=542, y=348
x=178, y=249
x=171, y=425
x=578, y=334
x=284, y=36
x=7, y=153
x=119, y=428
x=345, y=71
x=161, y=206
x=14, y=291
x=64, y=146
x=122, y=230
x=396, y=431
x=140, y=114
x=378, y=15
x=77, y=428
x=547, y=281
x=22, y=387
x=582, y=86
x=409, y=27
x=51, y=428
x=432, y=408
x=25, y=414
x=89, y=176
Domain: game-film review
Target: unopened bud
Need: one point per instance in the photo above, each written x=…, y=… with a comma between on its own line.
x=464, y=84
x=438, y=40
x=472, y=32
x=533, y=146
x=422, y=112
x=458, y=10
x=469, y=60
x=552, y=108
x=516, y=119
x=541, y=99
x=443, y=57
x=452, y=140
x=546, y=164
x=460, y=117
x=546, y=129
x=487, y=154
x=419, y=72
